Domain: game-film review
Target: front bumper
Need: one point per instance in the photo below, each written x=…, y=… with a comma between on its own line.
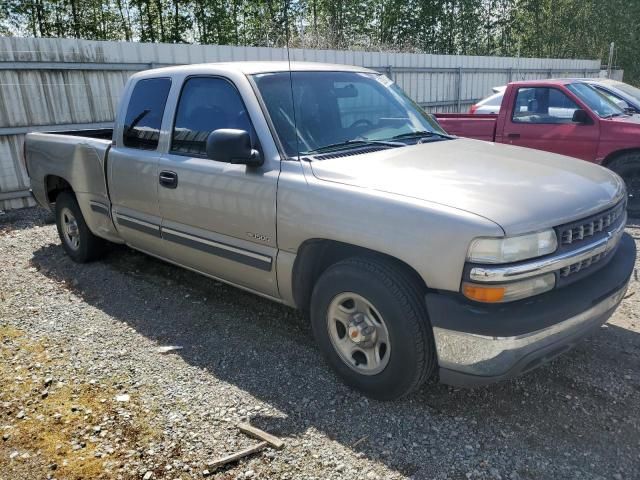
x=479, y=344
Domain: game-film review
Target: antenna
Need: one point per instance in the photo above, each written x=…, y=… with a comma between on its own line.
x=519, y=73
x=293, y=104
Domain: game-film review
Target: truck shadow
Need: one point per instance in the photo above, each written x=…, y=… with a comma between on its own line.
x=267, y=350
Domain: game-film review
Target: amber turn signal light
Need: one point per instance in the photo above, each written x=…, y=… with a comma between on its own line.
x=508, y=292
x=483, y=293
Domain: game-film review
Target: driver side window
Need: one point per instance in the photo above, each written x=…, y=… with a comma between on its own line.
x=543, y=105
x=206, y=104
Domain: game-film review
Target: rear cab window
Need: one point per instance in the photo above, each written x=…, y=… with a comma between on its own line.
x=144, y=113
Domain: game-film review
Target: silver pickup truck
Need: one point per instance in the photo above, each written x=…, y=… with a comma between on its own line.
x=324, y=187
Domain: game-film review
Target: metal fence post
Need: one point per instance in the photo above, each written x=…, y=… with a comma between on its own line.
x=390, y=72
x=459, y=89
x=509, y=75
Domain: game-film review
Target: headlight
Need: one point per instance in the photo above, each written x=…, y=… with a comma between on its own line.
x=508, y=292
x=512, y=249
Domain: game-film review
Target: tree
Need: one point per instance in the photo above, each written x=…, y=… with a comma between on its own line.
x=536, y=28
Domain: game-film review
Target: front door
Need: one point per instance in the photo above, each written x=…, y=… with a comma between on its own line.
x=217, y=218
x=542, y=118
x=133, y=166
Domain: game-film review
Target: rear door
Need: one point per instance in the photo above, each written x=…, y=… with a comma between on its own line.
x=218, y=218
x=542, y=118
x=133, y=166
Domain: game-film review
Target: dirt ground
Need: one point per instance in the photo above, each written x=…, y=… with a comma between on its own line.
x=86, y=393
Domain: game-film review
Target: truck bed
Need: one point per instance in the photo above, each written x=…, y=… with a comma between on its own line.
x=480, y=127
x=78, y=157
x=99, y=133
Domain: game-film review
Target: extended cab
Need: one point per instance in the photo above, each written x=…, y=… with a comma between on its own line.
x=569, y=117
x=325, y=188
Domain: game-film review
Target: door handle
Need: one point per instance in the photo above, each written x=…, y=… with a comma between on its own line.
x=168, y=179
x=513, y=135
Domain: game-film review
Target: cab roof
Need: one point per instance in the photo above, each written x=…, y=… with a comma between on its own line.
x=547, y=81
x=250, y=68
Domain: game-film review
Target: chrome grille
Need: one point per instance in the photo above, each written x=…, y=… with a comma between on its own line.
x=572, y=261
x=576, y=267
x=589, y=227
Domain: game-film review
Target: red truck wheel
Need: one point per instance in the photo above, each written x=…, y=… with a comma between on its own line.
x=627, y=166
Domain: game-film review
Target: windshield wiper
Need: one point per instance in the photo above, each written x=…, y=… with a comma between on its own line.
x=419, y=134
x=354, y=143
x=611, y=115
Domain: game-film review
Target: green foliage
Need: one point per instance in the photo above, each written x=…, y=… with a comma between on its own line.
x=535, y=28
x=579, y=29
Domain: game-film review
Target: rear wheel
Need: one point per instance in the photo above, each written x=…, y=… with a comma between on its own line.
x=627, y=166
x=77, y=240
x=370, y=321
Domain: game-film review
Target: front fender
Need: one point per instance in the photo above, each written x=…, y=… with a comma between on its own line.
x=433, y=239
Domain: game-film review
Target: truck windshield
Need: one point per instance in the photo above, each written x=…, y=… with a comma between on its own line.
x=336, y=110
x=595, y=100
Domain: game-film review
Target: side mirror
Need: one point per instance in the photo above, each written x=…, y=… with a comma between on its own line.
x=581, y=117
x=232, y=146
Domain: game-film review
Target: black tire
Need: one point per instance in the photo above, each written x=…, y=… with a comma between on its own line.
x=400, y=301
x=627, y=166
x=89, y=247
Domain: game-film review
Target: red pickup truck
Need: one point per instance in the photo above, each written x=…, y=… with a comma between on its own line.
x=561, y=116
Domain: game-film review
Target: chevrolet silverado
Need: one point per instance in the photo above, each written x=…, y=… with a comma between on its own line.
x=324, y=187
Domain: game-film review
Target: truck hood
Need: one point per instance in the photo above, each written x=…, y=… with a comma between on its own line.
x=627, y=119
x=520, y=189
x=619, y=126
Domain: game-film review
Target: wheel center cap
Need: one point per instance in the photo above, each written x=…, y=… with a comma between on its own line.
x=72, y=229
x=361, y=331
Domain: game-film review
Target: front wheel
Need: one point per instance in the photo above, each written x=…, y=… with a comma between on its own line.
x=77, y=240
x=370, y=321
x=628, y=167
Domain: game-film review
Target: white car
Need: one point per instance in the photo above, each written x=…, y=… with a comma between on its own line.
x=491, y=104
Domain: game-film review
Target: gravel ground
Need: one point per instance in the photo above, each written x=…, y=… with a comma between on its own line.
x=85, y=392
